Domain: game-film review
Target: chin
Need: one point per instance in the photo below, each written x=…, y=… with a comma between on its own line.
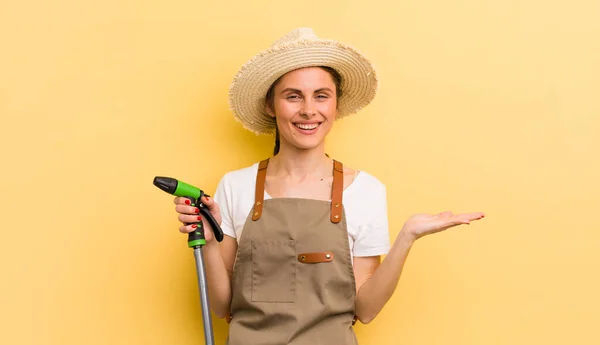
x=306, y=144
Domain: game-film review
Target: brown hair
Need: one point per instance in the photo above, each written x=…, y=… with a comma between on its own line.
x=269, y=98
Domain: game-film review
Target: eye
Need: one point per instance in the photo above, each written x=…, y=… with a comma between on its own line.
x=292, y=97
x=322, y=96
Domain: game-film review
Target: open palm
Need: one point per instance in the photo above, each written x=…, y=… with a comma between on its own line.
x=420, y=225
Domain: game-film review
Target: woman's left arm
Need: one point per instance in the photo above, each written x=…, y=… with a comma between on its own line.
x=375, y=282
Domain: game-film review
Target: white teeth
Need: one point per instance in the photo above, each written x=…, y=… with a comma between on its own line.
x=307, y=126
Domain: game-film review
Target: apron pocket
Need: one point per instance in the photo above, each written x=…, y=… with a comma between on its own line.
x=273, y=271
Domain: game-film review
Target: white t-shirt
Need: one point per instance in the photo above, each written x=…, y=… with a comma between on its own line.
x=364, y=200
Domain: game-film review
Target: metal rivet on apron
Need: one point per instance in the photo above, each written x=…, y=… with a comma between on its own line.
x=328, y=256
x=336, y=216
x=257, y=203
x=337, y=205
x=256, y=213
x=303, y=258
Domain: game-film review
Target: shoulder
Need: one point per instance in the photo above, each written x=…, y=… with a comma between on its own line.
x=243, y=172
x=368, y=180
x=240, y=176
x=236, y=184
x=363, y=181
x=234, y=195
x=366, y=196
x=365, y=201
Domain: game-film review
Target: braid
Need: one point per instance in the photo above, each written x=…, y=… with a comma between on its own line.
x=276, y=149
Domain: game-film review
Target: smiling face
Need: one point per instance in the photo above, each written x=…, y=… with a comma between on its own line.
x=304, y=104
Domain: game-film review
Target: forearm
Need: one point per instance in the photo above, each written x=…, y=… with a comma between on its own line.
x=218, y=280
x=378, y=289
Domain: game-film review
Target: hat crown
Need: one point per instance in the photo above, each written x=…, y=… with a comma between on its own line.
x=300, y=34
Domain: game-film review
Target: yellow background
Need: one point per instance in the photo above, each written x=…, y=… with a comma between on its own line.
x=486, y=106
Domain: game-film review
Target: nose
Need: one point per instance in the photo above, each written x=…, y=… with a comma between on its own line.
x=308, y=109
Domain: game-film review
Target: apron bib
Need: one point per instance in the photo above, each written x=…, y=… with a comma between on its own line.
x=293, y=280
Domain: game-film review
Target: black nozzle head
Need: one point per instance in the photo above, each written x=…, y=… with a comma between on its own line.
x=167, y=184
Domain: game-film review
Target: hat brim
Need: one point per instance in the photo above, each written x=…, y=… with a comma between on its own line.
x=249, y=87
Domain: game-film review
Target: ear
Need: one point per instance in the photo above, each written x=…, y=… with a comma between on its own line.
x=269, y=111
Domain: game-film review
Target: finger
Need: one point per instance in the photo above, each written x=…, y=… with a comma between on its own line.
x=187, y=228
x=184, y=209
x=210, y=203
x=186, y=219
x=466, y=218
x=207, y=200
x=472, y=216
x=181, y=201
x=452, y=223
x=458, y=221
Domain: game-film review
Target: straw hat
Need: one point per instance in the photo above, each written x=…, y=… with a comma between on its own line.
x=297, y=49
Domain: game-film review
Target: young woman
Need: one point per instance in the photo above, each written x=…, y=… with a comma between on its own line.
x=300, y=262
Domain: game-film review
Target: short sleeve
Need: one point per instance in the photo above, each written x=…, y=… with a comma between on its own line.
x=223, y=198
x=373, y=235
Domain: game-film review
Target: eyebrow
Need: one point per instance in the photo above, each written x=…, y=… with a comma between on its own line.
x=296, y=90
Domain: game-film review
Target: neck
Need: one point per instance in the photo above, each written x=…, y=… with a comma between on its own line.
x=300, y=163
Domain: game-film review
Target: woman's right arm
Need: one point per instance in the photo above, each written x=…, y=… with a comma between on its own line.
x=219, y=259
x=218, y=256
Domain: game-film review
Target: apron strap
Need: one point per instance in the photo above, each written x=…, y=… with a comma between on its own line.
x=337, y=191
x=259, y=194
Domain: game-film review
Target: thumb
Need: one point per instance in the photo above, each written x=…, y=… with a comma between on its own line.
x=208, y=201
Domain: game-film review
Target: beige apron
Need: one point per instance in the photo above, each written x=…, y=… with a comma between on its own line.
x=293, y=280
